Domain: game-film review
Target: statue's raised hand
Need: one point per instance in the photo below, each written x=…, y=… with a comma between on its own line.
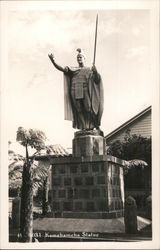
x=51, y=56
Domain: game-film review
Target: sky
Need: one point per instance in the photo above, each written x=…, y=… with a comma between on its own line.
x=34, y=88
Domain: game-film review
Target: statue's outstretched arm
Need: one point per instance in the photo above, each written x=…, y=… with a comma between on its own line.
x=51, y=57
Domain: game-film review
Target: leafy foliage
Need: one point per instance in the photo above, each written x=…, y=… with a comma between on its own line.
x=133, y=147
x=31, y=137
x=136, y=150
x=16, y=163
x=39, y=175
x=15, y=168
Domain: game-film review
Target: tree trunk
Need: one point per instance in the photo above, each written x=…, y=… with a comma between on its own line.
x=26, y=220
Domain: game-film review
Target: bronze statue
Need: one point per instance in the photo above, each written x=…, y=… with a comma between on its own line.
x=83, y=92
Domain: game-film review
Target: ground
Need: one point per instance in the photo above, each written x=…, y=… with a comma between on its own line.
x=61, y=229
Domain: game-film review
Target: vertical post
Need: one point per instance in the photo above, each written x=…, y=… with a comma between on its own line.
x=130, y=215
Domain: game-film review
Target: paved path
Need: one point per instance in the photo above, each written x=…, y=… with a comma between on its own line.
x=86, y=225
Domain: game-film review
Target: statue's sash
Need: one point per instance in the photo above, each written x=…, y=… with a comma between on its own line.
x=95, y=92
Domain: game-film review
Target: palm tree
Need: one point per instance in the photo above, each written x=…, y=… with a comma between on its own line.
x=35, y=139
x=27, y=174
x=15, y=169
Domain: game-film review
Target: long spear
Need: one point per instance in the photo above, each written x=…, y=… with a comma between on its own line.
x=95, y=42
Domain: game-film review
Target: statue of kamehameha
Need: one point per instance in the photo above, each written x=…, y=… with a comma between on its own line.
x=83, y=92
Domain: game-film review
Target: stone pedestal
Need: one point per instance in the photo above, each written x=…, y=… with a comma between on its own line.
x=88, y=144
x=88, y=184
x=87, y=187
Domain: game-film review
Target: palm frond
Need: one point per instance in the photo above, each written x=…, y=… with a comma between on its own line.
x=15, y=167
x=136, y=163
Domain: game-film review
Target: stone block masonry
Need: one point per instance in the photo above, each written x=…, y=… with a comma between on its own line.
x=87, y=187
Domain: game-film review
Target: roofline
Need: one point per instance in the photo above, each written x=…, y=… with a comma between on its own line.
x=115, y=131
x=48, y=157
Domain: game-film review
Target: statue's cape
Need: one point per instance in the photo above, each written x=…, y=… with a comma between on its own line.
x=97, y=97
x=95, y=93
x=68, y=111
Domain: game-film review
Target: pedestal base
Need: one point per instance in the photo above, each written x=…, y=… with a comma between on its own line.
x=90, y=215
x=88, y=143
x=87, y=187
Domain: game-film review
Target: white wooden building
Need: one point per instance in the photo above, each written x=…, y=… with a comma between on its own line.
x=140, y=124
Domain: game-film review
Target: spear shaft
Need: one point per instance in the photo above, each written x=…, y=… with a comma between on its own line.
x=95, y=42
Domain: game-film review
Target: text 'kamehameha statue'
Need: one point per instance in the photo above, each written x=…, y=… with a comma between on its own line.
x=83, y=91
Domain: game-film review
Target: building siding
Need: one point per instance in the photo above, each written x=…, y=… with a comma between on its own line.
x=141, y=126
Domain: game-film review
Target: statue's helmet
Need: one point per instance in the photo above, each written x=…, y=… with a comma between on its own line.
x=81, y=52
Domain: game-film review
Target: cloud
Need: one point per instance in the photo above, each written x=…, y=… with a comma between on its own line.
x=112, y=26
x=137, y=52
x=41, y=29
